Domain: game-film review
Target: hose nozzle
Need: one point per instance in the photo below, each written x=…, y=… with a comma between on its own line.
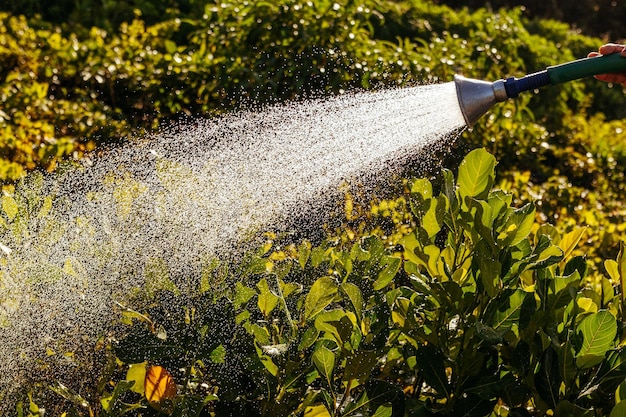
x=476, y=97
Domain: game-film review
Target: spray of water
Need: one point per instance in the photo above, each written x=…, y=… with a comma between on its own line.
x=159, y=211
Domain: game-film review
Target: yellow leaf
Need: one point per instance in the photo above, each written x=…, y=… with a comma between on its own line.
x=159, y=387
x=570, y=240
x=137, y=373
x=316, y=411
x=587, y=305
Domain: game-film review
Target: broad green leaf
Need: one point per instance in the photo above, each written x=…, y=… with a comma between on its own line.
x=520, y=224
x=514, y=310
x=570, y=240
x=545, y=253
x=610, y=375
x=338, y=324
x=431, y=363
x=598, y=332
x=612, y=269
x=218, y=355
x=354, y=295
x=619, y=410
x=243, y=294
x=391, y=266
x=309, y=337
x=137, y=373
x=267, y=301
x=320, y=295
x=385, y=410
x=548, y=378
x=324, y=361
x=476, y=174
x=432, y=220
x=489, y=268
x=423, y=188
x=359, y=367
x=377, y=397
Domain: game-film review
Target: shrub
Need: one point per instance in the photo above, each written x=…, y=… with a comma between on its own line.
x=476, y=311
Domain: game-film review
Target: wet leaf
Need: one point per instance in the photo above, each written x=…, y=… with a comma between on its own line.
x=320, y=295
x=324, y=361
x=476, y=174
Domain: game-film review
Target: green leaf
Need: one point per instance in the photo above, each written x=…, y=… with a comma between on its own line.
x=476, y=174
x=218, y=355
x=385, y=410
x=243, y=294
x=431, y=363
x=391, y=266
x=336, y=323
x=309, y=337
x=137, y=373
x=356, y=298
x=359, y=367
x=619, y=410
x=570, y=240
x=320, y=295
x=514, y=310
x=377, y=397
x=547, y=377
x=304, y=252
x=520, y=224
x=324, y=361
x=267, y=301
x=598, y=334
x=432, y=220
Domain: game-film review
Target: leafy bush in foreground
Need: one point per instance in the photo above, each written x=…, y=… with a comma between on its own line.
x=476, y=311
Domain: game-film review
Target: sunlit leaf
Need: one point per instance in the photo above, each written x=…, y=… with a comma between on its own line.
x=324, y=361
x=137, y=373
x=159, y=386
x=476, y=173
x=267, y=300
x=320, y=295
x=354, y=295
x=619, y=410
x=316, y=411
x=570, y=240
x=598, y=332
x=391, y=267
x=243, y=294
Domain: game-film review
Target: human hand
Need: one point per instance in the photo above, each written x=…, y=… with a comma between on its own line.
x=611, y=48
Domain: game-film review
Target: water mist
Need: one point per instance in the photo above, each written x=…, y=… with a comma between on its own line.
x=160, y=209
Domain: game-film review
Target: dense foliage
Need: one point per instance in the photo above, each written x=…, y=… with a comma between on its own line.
x=453, y=297
x=475, y=310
